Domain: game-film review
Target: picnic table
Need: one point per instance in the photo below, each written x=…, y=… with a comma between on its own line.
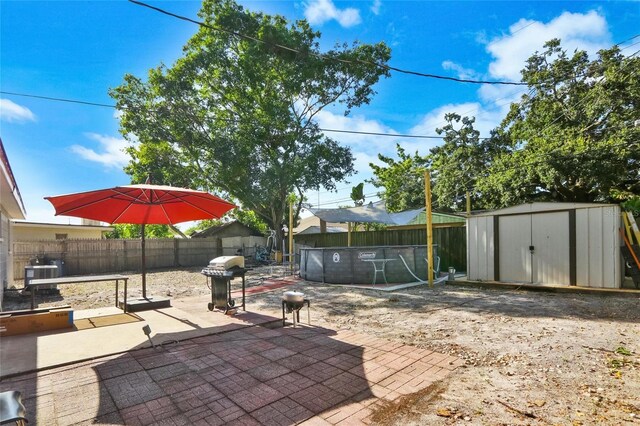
x=43, y=282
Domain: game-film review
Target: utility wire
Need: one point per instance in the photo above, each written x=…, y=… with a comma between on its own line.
x=324, y=56
x=75, y=101
x=49, y=98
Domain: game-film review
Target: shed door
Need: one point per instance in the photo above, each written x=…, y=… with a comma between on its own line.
x=548, y=235
x=550, y=239
x=515, y=257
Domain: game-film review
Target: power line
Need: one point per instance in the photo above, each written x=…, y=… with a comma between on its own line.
x=75, y=101
x=324, y=56
x=49, y=98
x=340, y=200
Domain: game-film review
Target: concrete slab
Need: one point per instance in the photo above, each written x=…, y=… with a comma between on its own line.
x=31, y=352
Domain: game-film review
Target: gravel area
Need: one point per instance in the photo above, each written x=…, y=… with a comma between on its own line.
x=531, y=357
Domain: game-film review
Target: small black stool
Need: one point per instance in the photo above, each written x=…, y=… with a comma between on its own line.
x=11, y=408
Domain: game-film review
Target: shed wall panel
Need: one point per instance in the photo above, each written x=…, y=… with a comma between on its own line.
x=598, y=251
x=480, y=251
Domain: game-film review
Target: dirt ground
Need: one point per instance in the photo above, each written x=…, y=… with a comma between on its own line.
x=532, y=358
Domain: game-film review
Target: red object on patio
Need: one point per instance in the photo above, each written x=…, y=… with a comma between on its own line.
x=143, y=204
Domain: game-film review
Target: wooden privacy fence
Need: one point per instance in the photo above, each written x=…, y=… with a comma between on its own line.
x=451, y=241
x=85, y=256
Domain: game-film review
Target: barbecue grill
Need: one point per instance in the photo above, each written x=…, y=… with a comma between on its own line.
x=219, y=274
x=292, y=303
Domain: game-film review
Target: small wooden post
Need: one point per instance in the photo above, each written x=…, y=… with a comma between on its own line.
x=468, y=204
x=348, y=234
x=427, y=196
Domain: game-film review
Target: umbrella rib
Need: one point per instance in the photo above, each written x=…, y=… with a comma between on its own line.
x=200, y=208
x=74, y=208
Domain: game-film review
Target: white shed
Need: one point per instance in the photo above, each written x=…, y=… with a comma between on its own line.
x=547, y=243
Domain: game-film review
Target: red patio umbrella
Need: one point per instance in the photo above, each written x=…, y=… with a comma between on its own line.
x=142, y=204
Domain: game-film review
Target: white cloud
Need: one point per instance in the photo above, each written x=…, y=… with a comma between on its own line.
x=464, y=73
x=375, y=7
x=111, y=154
x=365, y=143
x=14, y=113
x=320, y=11
x=486, y=119
x=587, y=32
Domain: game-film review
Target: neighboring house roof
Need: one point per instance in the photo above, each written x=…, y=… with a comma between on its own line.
x=436, y=217
x=13, y=205
x=214, y=230
x=61, y=226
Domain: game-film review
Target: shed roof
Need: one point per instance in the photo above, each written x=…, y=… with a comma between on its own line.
x=541, y=207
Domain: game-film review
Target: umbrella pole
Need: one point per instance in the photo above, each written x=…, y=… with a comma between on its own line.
x=144, y=268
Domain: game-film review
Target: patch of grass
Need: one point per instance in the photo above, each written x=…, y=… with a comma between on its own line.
x=623, y=351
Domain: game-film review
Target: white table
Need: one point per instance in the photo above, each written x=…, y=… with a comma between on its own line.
x=378, y=266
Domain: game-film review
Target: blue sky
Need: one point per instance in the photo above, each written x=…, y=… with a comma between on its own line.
x=78, y=50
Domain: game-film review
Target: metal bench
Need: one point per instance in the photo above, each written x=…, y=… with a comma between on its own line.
x=11, y=408
x=43, y=282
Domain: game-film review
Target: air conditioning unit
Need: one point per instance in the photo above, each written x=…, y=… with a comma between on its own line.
x=35, y=272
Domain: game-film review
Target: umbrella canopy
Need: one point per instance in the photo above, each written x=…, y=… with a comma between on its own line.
x=142, y=204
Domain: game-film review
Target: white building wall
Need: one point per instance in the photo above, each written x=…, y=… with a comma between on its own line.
x=4, y=250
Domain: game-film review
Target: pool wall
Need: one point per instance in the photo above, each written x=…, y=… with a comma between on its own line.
x=352, y=265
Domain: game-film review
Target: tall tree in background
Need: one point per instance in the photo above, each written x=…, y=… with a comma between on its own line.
x=238, y=116
x=459, y=163
x=402, y=180
x=575, y=135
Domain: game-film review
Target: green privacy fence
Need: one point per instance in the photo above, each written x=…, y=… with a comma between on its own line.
x=451, y=241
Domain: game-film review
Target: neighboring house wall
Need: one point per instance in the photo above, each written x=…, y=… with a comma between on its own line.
x=5, y=240
x=314, y=221
x=31, y=231
x=11, y=207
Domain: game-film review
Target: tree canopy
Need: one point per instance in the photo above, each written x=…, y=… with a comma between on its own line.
x=402, y=180
x=237, y=116
x=573, y=137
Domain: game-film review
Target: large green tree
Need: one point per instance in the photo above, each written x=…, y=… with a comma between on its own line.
x=460, y=162
x=237, y=116
x=575, y=136
x=401, y=178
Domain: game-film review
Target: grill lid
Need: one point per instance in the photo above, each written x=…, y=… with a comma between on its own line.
x=293, y=296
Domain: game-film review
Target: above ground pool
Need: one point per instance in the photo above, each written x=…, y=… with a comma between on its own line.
x=366, y=265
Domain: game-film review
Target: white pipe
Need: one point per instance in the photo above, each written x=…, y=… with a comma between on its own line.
x=437, y=281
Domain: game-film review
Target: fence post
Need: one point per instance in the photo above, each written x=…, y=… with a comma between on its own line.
x=176, y=252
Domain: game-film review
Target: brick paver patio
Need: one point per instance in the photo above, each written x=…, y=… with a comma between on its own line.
x=251, y=376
